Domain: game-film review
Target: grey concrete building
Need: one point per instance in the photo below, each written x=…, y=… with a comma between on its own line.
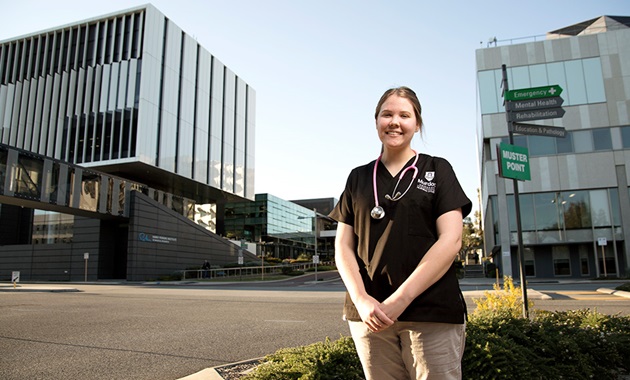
x=575, y=210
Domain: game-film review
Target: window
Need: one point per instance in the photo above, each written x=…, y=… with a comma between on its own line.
x=564, y=145
x=488, y=94
x=530, y=263
x=584, y=267
x=541, y=145
x=594, y=80
x=27, y=177
x=601, y=139
x=576, y=209
x=583, y=141
x=548, y=210
x=52, y=228
x=527, y=212
x=614, y=205
x=575, y=82
x=561, y=261
x=625, y=137
x=600, y=212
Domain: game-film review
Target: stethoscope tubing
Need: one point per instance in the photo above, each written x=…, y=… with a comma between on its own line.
x=377, y=211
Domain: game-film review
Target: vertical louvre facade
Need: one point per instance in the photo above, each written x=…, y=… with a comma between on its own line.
x=72, y=93
x=123, y=137
x=134, y=92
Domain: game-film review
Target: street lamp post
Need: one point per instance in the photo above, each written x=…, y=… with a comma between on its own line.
x=316, y=230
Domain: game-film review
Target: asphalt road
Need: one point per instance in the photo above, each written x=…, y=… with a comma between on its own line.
x=163, y=331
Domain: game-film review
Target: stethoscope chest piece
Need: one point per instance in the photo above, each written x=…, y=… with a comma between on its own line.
x=377, y=212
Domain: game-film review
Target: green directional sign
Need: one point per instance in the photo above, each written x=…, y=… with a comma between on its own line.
x=513, y=162
x=533, y=93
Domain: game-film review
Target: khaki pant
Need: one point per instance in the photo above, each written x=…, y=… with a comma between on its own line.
x=411, y=350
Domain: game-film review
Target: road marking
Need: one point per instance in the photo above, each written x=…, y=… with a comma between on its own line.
x=581, y=295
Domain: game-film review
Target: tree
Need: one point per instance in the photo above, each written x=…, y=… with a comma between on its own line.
x=472, y=236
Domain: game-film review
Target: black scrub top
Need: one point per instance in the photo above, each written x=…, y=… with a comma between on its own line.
x=389, y=249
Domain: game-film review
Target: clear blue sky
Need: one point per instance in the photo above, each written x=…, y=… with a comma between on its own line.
x=319, y=67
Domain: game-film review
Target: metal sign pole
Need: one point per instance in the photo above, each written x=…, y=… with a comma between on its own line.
x=315, y=256
x=86, y=257
x=517, y=206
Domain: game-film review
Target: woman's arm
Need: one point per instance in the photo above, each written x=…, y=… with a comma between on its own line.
x=433, y=265
x=368, y=307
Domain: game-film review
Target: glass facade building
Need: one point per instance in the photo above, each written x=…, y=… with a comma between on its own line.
x=575, y=211
x=283, y=229
x=104, y=117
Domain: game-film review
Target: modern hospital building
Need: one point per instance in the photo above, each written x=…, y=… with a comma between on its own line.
x=575, y=210
x=127, y=152
x=121, y=141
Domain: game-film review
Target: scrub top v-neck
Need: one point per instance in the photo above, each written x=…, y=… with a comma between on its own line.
x=389, y=249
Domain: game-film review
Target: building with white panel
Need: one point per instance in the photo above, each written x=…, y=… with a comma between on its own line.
x=575, y=210
x=131, y=94
x=135, y=99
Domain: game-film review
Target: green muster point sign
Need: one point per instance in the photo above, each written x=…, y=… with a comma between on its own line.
x=513, y=162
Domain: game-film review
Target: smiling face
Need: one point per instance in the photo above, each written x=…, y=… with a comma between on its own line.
x=396, y=123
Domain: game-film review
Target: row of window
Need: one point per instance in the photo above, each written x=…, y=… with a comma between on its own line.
x=36, y=178
x=561, y=259
x=562, y=210
x=102, y=136
x=583, y=141
x=102, y=42
x=581, y=81
x=81, y=116
x=273, y=216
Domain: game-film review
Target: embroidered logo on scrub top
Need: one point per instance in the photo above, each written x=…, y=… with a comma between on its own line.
x=427, y=185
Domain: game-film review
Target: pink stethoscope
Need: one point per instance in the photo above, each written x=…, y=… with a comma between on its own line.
x=378, y=212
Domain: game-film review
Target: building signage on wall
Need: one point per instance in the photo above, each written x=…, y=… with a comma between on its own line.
x=156, y=238
x=513, y=162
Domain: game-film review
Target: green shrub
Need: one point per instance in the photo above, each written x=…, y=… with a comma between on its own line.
x=625, y=287
x=273, y=260
x=318, y=361
x=579, y=344
x=500, y=344
x=288, y=270
x=321, y=268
